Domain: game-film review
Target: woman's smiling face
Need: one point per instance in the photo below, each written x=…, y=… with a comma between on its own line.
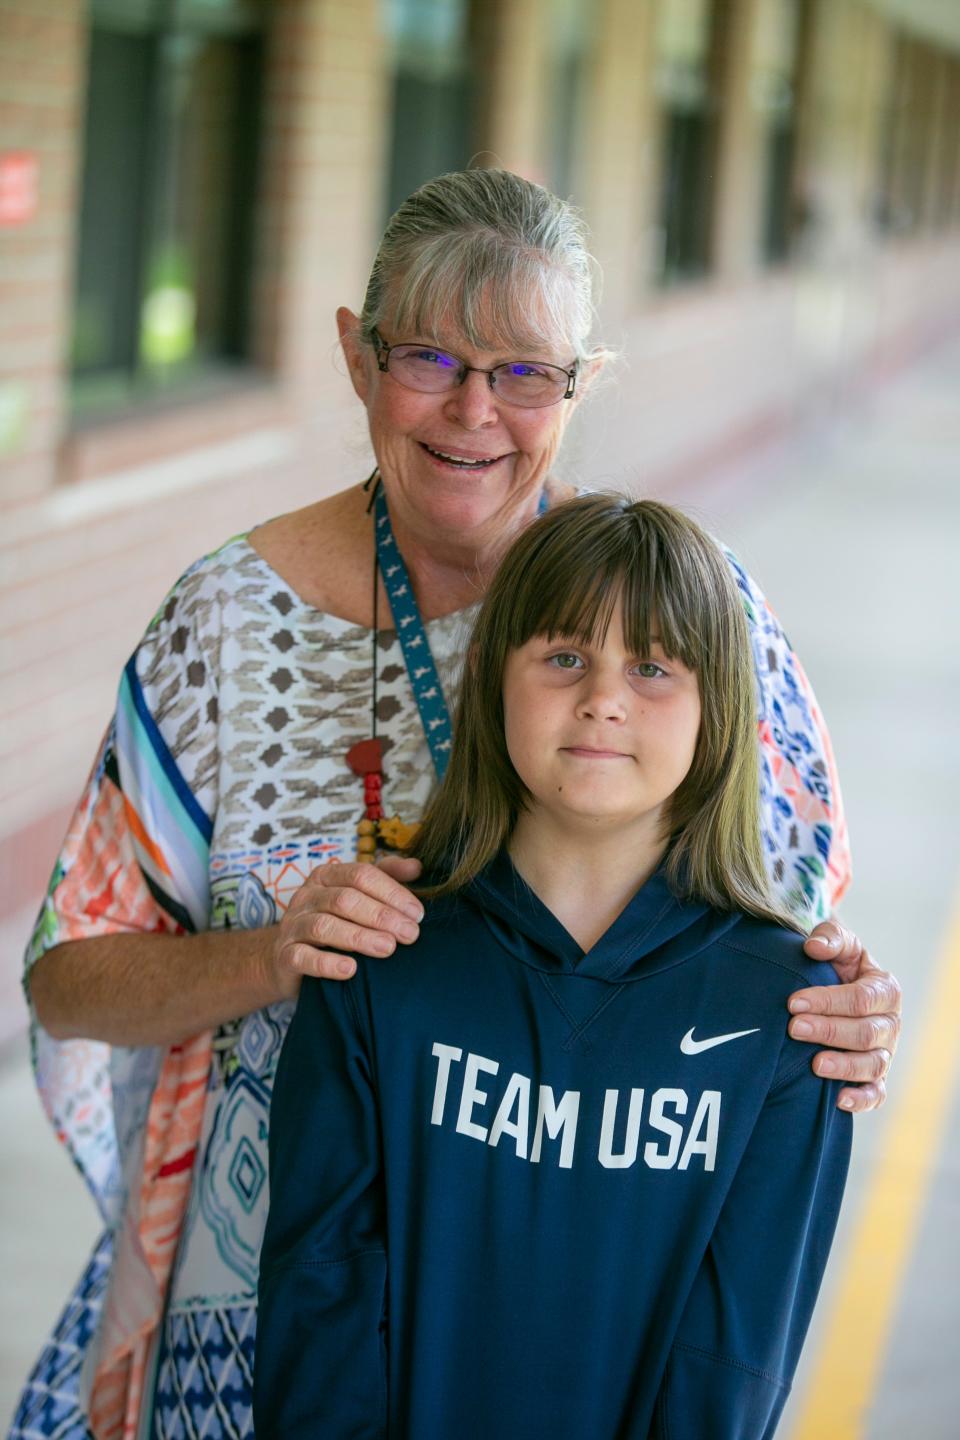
x=459, y=459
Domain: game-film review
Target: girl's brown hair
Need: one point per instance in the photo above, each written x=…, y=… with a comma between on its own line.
x=562, y=577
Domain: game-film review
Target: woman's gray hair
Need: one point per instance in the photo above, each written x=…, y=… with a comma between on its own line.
x=489, y=256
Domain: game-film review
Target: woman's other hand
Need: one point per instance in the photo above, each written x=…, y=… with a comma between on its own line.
x=340, y=908
x=860, y=1018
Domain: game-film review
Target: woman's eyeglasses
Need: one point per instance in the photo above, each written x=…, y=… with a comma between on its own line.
x=528, y=383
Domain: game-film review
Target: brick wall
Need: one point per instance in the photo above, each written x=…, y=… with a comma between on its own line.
x=42, y=54
x=95, y=524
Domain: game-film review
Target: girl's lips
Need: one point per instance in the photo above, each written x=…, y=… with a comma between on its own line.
x=458, y=460
x=587, y=754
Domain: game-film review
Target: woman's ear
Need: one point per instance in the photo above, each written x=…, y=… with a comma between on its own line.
x=588, y=376
x=356, y=352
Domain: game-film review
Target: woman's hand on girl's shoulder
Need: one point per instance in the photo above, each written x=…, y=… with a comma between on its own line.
x=859, y=1018
x=345, y=909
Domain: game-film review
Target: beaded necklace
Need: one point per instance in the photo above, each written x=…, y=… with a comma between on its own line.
x=366, y=757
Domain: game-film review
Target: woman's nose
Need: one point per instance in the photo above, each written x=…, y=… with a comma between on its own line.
x=472, y=403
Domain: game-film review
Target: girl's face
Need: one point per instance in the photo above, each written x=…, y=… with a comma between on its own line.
x=599, y=736
x=462, y=460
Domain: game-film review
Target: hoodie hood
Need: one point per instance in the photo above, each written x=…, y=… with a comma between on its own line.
x=655, y=931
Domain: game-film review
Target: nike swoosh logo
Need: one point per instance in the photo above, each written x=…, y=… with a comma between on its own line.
x=689, y=1046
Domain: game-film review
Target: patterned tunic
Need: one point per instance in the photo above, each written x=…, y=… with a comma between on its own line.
x=221, y=783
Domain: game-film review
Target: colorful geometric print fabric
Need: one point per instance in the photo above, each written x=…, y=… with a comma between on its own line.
x=804, y=827
x=222, y=783
x=207, y=1371
x=96, y=889
x=50, y=1403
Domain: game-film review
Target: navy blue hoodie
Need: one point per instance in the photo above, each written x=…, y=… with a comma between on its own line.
x=523, y=1193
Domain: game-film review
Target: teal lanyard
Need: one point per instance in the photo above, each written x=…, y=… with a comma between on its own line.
x=408, y=623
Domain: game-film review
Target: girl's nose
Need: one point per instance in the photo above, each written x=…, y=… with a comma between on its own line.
x=472, y=403
x=602, y=699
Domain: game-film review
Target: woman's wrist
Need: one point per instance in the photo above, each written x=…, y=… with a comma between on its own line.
x=280, y=980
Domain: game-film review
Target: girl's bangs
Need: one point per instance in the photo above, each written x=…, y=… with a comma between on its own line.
x=574, y=595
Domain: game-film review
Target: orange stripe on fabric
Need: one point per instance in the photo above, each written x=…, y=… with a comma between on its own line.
x=98, y=854
x=136, y=827
x=173, y=1131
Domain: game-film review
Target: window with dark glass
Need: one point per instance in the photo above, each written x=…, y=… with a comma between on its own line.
x=775, y=75
x=166, y=214
x=433, y=102
x=684, y=81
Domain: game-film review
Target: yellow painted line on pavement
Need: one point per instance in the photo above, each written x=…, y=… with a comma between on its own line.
x=857, y=1331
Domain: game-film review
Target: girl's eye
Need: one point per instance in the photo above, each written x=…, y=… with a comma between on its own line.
x=647, y=670
x=565, y=660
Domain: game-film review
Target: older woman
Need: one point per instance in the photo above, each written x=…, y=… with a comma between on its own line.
x=284, y=706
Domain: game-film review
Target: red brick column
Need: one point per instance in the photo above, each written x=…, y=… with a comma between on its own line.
x=42, y=66
x=324, y=139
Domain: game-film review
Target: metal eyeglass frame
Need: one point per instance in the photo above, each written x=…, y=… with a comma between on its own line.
x=382, y=350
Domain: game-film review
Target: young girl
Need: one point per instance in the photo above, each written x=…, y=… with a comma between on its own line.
x=558, y=1171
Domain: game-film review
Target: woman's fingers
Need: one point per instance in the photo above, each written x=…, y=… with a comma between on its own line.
x=872, y=996
x=857, y=1066
x=860, y=1023
x=835, y=937
x=839, y=1032
x=377, y=899
x=299, y=960
x=859, y=1098
x=340, y=908
x=402, y=867
x=834, y=942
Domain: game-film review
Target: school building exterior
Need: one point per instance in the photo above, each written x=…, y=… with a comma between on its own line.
x=189, y=188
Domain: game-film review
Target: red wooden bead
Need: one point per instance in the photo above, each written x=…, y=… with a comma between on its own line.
x=374, y=812
x=364, y=757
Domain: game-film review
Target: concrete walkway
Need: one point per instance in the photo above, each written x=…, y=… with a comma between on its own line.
x=854, y=530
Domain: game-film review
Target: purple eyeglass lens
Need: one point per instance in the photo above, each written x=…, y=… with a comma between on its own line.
x=425, y=357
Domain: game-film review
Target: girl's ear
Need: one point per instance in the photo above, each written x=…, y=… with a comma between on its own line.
x=356, y=352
